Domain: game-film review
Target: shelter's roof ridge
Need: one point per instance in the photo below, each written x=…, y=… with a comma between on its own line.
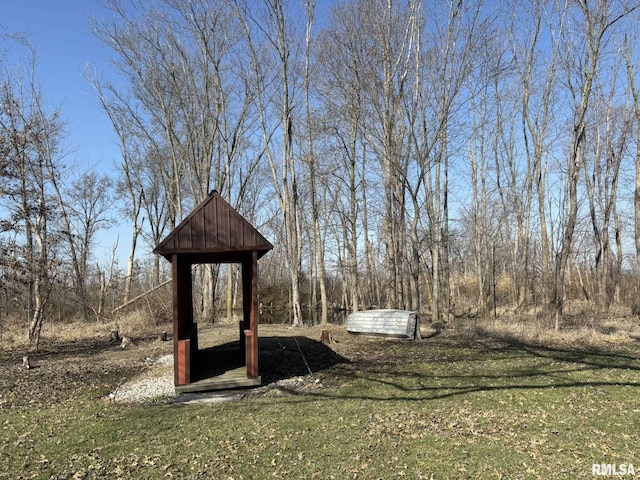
x=213, y=227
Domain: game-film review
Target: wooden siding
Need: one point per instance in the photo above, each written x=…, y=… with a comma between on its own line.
x=394, y=323
x=213, y=227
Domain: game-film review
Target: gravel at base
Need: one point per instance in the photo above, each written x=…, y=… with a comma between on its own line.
x=155, y=382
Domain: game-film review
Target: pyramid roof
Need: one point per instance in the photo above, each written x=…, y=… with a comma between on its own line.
x=213, y=232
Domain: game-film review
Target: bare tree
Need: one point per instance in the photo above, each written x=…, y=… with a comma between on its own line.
x=609, y=138
x=30, y=137
x=394, y=44
x=133, y=141
x=538, y=74
x=445, y=65
x=595, y=21
x=84, y=211
x=340, y=83
x=185, y=109
x=318, y=247
x=389, y=132
x=480, y=222
x=91, y=200
x=273, y=63
x=633, y=87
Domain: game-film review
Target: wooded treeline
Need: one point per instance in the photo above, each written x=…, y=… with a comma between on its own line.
x=446, y=156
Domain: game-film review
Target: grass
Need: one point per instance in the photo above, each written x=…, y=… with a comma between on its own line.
x=453, y=406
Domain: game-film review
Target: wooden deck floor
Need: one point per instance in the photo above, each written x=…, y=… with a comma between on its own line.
x=236, y=378
x=220, y=368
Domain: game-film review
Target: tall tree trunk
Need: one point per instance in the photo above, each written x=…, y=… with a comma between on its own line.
x=562, y=258
x=130, y=263
x=597, y=20
x=318, y=246
x=284, y=178
x=79, y=282
x=40, y=277
x=635, y=95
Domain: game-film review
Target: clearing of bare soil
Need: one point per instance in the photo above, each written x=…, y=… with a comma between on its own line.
x=68, y=370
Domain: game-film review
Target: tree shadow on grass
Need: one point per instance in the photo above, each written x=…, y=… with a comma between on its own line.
x=399, y=390
x=481, y=364
x=64, y=349
x=589, y=356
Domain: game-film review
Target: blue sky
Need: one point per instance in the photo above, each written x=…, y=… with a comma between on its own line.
x=59, y=31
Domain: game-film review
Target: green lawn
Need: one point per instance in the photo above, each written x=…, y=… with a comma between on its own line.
x=443, y=408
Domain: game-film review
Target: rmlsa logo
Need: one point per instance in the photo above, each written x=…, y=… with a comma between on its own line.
x=612, y=469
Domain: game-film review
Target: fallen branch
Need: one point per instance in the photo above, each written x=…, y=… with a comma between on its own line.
x=142, y=295
x=95, y=312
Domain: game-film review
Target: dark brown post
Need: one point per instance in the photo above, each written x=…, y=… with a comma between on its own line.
x=244, y=323
x=250, y=312
x=182, y=319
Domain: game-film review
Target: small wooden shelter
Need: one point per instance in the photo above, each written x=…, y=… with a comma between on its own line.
x=212, y=233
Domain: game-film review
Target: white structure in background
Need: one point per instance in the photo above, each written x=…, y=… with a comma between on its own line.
x=391, y=323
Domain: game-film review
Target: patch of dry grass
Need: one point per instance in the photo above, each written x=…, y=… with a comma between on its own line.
x=577, y=329
x=134, y=324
